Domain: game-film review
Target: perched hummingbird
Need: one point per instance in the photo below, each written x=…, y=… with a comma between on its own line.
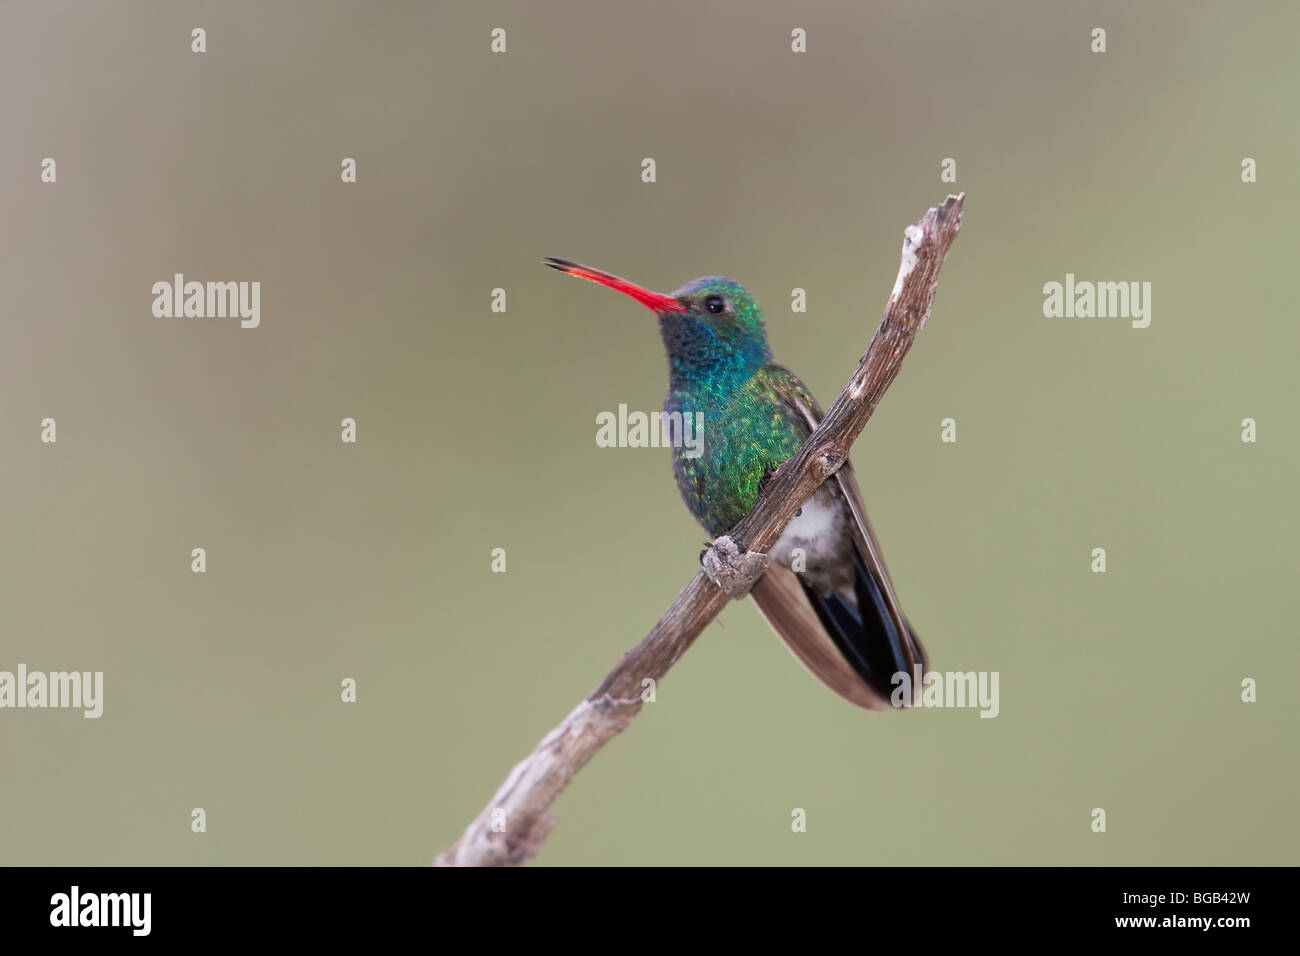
x=826, y=592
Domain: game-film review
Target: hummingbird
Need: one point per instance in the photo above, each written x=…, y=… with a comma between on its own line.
x=826, y=592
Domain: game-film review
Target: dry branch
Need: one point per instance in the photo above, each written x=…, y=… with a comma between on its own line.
x=730, y=568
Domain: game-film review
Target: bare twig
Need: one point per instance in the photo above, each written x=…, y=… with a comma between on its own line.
x=511, y=828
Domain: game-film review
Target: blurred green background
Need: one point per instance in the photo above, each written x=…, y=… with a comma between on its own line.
x=476, y=429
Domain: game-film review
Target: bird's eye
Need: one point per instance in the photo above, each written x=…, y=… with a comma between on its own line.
x=715, y=304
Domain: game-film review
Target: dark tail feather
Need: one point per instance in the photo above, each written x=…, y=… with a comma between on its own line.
x=866, y=635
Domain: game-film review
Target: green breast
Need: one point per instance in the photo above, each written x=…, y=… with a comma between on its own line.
x=759, y=428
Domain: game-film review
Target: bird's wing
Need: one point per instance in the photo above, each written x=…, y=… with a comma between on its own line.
x=785, y=604
x=822, y=641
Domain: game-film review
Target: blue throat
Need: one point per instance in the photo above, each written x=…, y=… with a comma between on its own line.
x=704, y=369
